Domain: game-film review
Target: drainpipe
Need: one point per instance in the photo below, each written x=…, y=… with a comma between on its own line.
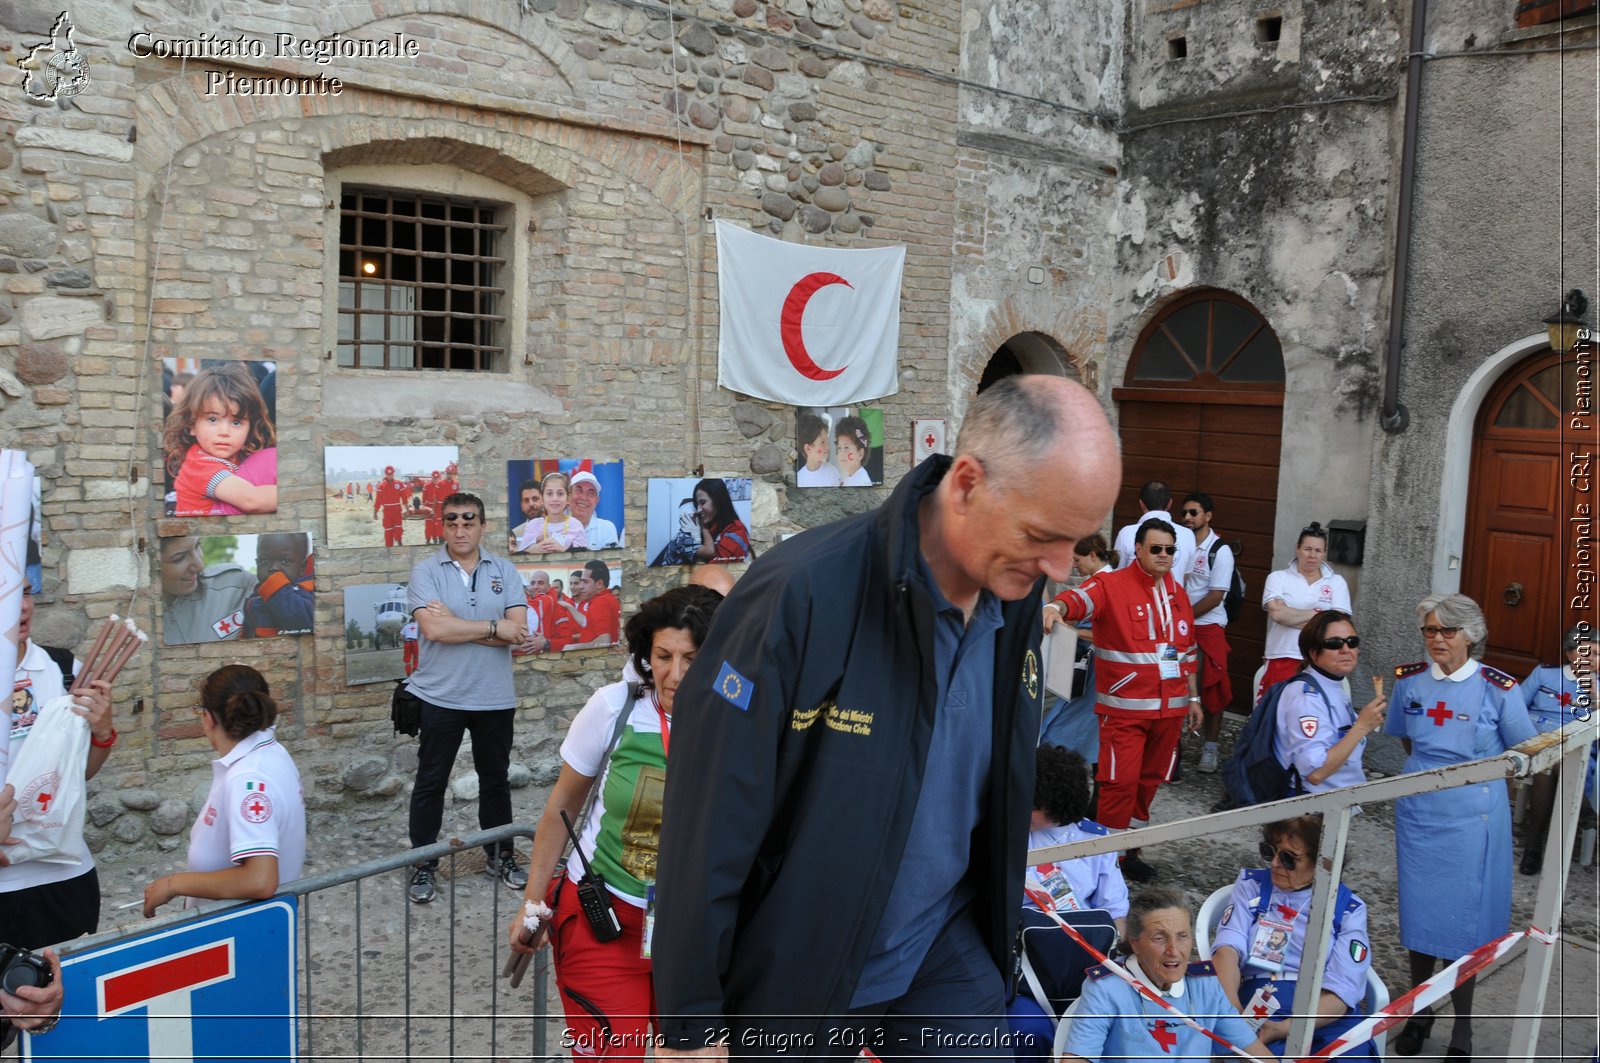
x=1395, y=417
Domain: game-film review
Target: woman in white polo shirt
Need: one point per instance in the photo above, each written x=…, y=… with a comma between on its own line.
x=1293, y=596
x=251, y=835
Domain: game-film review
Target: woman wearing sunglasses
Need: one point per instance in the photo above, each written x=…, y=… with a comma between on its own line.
x=1263, y=934
x=1452, y=709
x=1320, y=735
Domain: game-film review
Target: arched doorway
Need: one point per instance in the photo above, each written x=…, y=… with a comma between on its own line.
x=1027, y=352
x=1202, y=409
x=1529, y=552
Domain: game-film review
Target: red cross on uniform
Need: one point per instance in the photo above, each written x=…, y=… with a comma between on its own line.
x=1565, y=699
x=1287, y=912
x=1439, y=714
x=44, y=801
x=1164, y=1037
x=256, y=807
x=224, y=626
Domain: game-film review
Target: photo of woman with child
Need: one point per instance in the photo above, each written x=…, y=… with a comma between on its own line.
x=839, y=446
x=220, y=437
x=209, y=592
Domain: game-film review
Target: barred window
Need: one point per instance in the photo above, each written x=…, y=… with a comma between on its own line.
x=421, y=281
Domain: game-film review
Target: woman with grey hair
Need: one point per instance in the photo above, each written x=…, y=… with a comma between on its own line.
x=1113, y=1020
x=1452, y=708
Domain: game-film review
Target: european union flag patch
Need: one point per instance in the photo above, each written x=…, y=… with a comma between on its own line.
x=734, y=688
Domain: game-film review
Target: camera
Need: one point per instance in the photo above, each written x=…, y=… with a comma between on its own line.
x=19, y=967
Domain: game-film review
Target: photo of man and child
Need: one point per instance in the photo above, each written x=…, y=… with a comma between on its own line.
x=562, y=504
x=839, y=446
x=219, y=436
x=222, y=587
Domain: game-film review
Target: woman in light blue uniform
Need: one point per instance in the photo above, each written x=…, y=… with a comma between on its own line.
x=1319, y=733
x=1557, y=694
x=1276, y=900
x=1112, y=1021
x=1072, y=723
x=1453, y=846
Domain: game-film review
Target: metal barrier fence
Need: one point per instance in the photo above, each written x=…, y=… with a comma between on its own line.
x=1568, y=748
x=382, y=978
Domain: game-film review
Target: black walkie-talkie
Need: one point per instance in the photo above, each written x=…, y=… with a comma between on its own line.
x=593, y=897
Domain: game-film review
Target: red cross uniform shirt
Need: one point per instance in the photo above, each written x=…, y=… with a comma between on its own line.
x=255, y=808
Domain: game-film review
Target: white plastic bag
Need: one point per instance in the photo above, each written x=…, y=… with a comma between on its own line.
x=47, y=772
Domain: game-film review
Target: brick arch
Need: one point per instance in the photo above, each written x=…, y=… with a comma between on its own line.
x=529, y=28
x=1066, y=332
x=180, y=116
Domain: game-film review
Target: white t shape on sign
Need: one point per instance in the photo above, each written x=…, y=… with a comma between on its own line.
x=165, y=987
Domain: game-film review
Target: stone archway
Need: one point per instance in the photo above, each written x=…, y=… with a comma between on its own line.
x=1028, y=352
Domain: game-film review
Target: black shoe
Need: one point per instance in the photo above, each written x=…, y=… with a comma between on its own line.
x=1135, y=869
x=1456, y=1053
x=1409, y=1043
x=1531, y=859
x=422, y=890
x=504, y=867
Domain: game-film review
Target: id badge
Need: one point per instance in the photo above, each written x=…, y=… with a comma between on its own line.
x=1167, y=657
x=1271, y=944
x=649, y=930
x=1055, y=883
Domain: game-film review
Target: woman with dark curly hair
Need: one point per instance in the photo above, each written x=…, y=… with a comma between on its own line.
x=616, y=751
x=1060, y=798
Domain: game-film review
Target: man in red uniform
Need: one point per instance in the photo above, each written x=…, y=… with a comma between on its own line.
x=389, y=504
x=542, y=612
x=596, y=612
x=1145, y=675
x=434, y=493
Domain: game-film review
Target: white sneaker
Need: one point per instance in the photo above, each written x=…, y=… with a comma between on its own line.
x=1208, y=760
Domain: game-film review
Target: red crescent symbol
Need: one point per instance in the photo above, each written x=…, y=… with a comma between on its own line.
x=794, y=309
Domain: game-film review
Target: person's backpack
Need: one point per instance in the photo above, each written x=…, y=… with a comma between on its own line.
x=1233, y=600
x=1252, y=774
x=63, y=659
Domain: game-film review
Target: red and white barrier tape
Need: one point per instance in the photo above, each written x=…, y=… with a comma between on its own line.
x=1047, y=905
x=1424, y=995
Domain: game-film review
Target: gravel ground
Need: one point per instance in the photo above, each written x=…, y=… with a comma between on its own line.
x=358, y=962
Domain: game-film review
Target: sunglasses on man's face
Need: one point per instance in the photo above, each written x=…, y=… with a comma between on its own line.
x=463, y=518
x=1173, y=549
x=1286, y=860
x=1339, y=643
x=1192, y=512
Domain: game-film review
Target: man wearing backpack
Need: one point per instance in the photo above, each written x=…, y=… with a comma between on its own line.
x=1208, y=581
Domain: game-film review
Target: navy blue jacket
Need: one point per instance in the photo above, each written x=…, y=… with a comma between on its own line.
x=798, y=745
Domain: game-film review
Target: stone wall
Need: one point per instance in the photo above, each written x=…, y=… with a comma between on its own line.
x=164, y=213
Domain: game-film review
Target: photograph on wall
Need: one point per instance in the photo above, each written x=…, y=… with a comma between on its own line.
x=217, y=588
x=388, y=496
x=219, y=436
x=838, y=446
x=927, y=439
x=380, y=637
x=689, y=520
x=575, y=606
x=558, y=505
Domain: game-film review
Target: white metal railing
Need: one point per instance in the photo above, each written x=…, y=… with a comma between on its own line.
x=1568, y=748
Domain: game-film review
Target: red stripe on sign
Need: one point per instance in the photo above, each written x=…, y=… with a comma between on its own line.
x=136, y=987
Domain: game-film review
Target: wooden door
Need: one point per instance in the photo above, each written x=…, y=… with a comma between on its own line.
x=1203, y=411
x=1528, y=559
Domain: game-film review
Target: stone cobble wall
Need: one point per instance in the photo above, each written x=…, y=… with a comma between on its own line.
x=163, y=212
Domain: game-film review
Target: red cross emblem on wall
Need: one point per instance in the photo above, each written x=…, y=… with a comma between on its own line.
x=1439, y=714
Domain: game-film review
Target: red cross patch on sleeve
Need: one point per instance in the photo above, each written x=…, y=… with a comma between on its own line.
x=1308, y=726
x=256, y=808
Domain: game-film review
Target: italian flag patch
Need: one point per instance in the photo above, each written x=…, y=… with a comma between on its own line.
x=258, y=787
x=1358, y=951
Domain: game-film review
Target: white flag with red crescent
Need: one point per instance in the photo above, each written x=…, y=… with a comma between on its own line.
x=807, y=326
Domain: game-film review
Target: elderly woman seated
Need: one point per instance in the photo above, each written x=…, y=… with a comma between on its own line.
x=1114, y=1021
x=1263, y=933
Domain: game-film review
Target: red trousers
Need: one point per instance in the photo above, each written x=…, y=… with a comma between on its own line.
x=605, y=986
x=1216, y=691
x=1136, y=757
x=410, y=656
x=1278, y=669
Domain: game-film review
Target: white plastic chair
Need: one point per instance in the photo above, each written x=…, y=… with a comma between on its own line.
x=1210, y=918
x=1064, y=1027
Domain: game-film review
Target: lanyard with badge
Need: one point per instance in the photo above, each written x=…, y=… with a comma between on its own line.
x=649, y=930
x=1166, y=652
x=1052, y=880
x=1265, y=953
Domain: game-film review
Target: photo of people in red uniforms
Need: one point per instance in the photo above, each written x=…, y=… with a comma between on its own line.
x=575, y=608
x=405, y=490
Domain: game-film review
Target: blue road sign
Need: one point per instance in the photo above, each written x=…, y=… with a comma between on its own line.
x=215, y=989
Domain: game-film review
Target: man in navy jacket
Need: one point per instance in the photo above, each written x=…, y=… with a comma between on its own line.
x=847, y=801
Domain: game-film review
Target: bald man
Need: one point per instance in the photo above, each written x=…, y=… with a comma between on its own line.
x=847, y=813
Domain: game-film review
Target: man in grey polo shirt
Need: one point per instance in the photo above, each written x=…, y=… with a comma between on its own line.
x=470, y=611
